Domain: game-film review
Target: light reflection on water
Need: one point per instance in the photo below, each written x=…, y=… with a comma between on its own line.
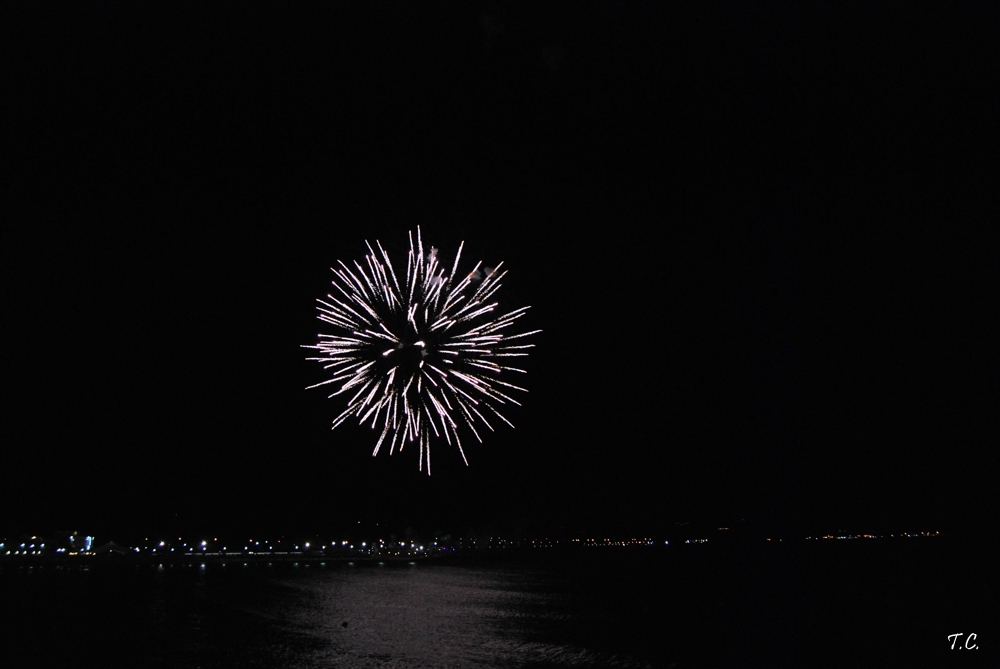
x=224, y=616
x=687, y=609
x=427, y=617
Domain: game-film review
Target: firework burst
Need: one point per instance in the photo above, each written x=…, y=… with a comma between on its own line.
x=419, y=354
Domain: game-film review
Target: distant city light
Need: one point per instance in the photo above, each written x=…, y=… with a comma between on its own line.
x=380, y=549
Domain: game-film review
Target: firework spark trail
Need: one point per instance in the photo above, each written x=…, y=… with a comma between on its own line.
x=420, y=354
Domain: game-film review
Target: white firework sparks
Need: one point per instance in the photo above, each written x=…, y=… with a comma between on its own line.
x=419, y=356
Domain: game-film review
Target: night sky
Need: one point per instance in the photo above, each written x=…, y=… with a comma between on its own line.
x=759, y=241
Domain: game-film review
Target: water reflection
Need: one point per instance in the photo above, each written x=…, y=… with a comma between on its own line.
x=435, y=617
x=397, y=615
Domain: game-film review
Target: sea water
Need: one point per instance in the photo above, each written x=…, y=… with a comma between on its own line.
x=644, y=608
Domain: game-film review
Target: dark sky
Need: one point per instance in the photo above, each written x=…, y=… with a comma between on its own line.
x=758, y=238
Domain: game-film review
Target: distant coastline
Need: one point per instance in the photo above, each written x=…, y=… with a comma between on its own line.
x=36, y=550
